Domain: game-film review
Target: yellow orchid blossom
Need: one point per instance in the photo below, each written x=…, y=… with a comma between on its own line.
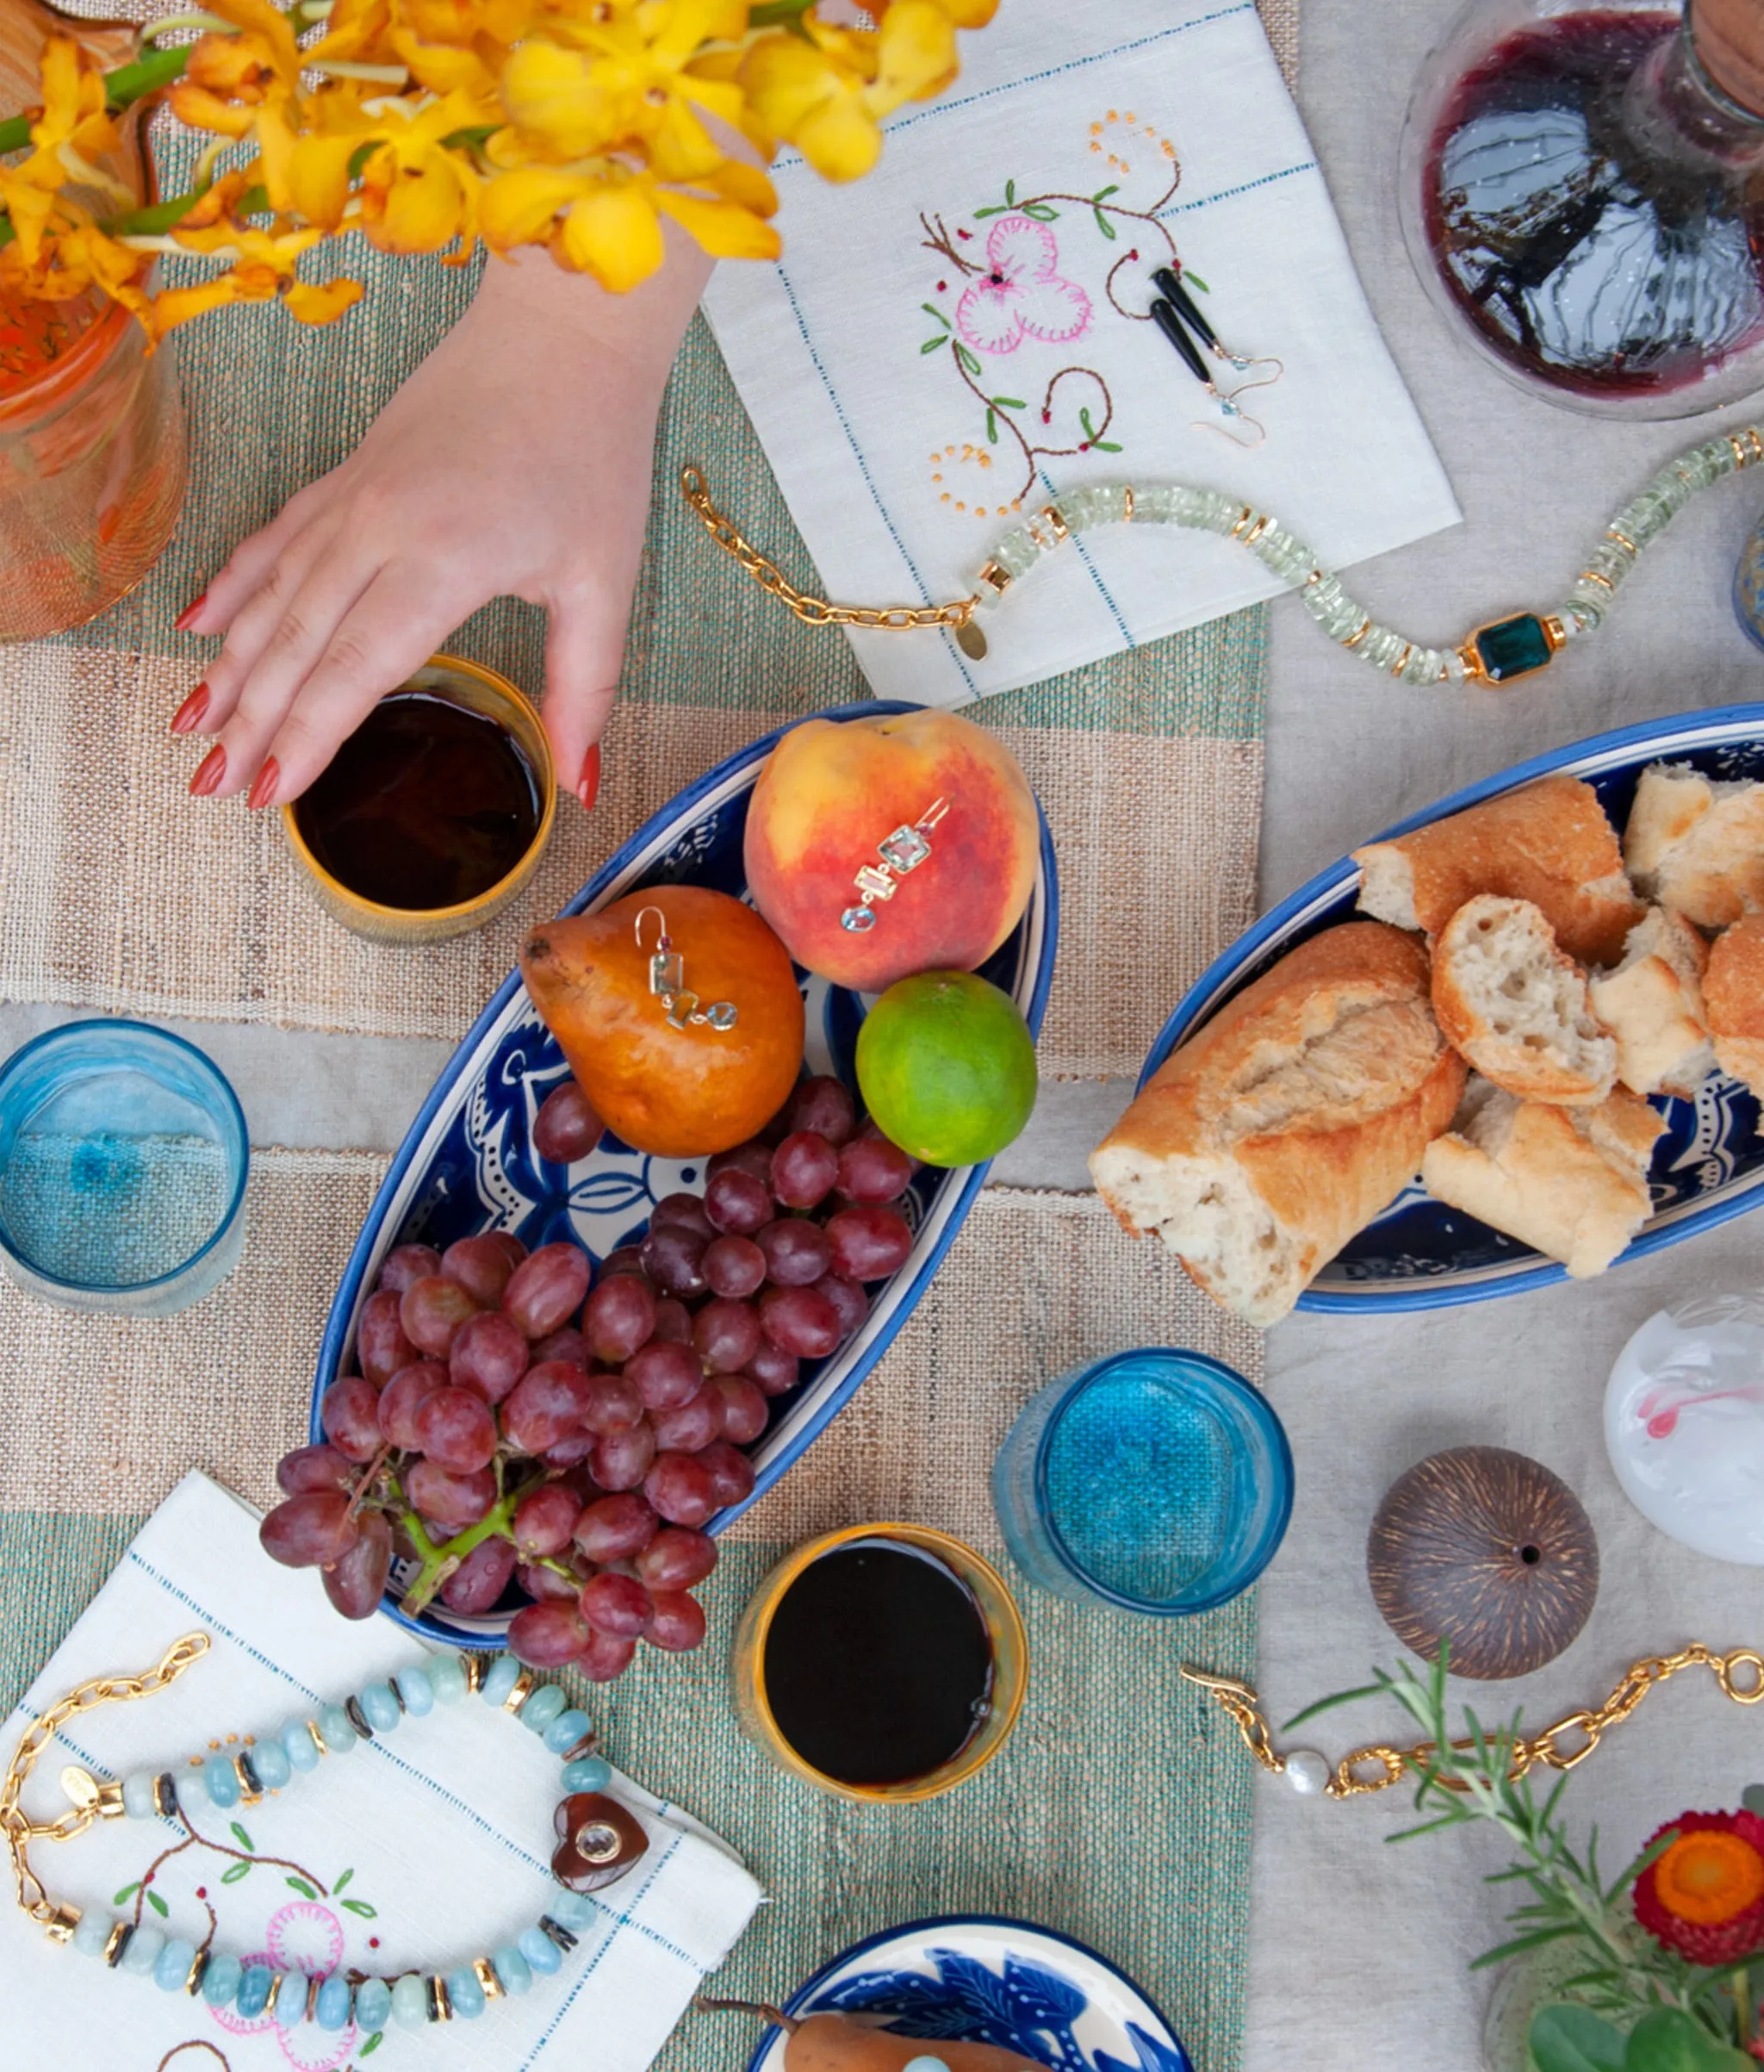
x=827, y=92
x=260, y=268
x=417, y=195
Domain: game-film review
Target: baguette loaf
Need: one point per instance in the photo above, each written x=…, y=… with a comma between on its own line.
x=1548, y=843
x=1287, y=1122
x=1516, y=1007
x=1734, y=990
x=1652, y=1004
x=1696, y=844
x=1572, y=1182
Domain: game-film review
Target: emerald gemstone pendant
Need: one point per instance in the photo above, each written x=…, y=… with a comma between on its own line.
x=1510, y=648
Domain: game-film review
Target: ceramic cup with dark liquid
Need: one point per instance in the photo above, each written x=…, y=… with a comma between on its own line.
x=882, y=1663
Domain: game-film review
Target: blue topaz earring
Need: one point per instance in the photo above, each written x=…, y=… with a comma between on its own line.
x=901, y=852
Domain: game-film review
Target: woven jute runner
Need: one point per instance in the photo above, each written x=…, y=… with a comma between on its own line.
x=1117, y=1812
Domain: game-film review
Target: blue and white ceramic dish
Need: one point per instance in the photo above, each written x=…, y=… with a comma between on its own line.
x=1709, y=1165
x=980, y=1978
x=468, y=1163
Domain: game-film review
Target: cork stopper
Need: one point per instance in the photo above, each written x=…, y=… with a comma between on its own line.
x=1730, y=38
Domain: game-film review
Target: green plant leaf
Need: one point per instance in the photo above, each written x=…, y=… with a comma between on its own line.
x=234, y=1872
x=1008, y=403
x=1041, y=212
x=301, y=1887
x=126, y=1893
x=1341, y=1697
x=1752, y=1798
x=967, y=359
x=1520, y=1944
x=931, y=309
x=933, y=345
x=243, y=1838
x=156, y=1903
x=372, y=2044
x=1668, y=2040
x=1104, y=225
x=1563, y=2038
x=362, y=1907
x=342, y=1881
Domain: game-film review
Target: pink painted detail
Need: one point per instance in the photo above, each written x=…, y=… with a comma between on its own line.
x=1022, y=294
x=1661, y=1407
x=306, y=1940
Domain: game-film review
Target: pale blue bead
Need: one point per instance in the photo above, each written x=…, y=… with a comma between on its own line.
x=592, y=1773
x=566, y=1729
x=542, y=1707
x=410, y=2001
x=465, y=1993
x=512, y=1968
x=222, y=1780
x=540, y=1952
x=571, y=1909
x=254, y=1991
x=172, y=1970
x=299, y=1747
x=500, y=1680
x=143, y=1951
x=291, y=2001
x=191, y=1785
x=220, y=1982
x=372, y=2004
x=270, y=1760
x=93, y=1933
x=381, y=1708
x=417, y=1691
x=332, y=2009
x=447, y=1678
x=924, y=2062
x=138, y=1796
x=338, y=1735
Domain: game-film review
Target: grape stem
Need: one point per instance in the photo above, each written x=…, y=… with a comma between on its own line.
x=439, y=1562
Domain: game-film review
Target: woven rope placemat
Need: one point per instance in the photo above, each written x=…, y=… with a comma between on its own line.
x=1119, y=1812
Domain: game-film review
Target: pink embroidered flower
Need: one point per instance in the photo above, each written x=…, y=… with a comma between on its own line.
x=304, y=1939
x=1022, y=294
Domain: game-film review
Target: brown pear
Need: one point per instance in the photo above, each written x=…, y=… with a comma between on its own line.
x=835, y=2043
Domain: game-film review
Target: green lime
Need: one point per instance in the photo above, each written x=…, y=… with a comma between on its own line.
x=946, y=1067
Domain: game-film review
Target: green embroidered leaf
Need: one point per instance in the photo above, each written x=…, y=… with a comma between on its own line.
x=301, y=1887
x=991, y=428
x=126, y=1893
x=1085, y=426
x=242, y=1838
x=156, y=1903
x=362, y=1907
x=1104, y=193
x=1105, y=445
x=343, y=1881
x=1010, y=193
x=1194, y=281
x=1104, y=225
x=1041, y=212
x=1008, y=403
x=372, y=2044
x=930, y=309
x=931, y=344
x=234, y=1872
x=967, y=359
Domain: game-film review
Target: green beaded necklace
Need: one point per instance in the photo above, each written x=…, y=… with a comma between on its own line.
x=1499, y=653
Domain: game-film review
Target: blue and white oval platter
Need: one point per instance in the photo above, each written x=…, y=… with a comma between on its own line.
x=468, y=1163
x=980, y=1978
x=1709, y=1165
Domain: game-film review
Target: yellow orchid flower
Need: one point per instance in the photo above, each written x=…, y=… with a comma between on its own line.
x=415, y=194
x=260, y=268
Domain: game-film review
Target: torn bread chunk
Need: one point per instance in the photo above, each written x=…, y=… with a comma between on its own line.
x=1734, y=992
x=1572, y=1182
x=1516, y=1007
x=1548, y=843
x=1696, y=843
x=1652, y=1004
x=1289, y=1121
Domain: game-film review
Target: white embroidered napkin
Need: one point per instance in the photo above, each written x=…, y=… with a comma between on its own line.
x=964, y=335
x=424, y=1848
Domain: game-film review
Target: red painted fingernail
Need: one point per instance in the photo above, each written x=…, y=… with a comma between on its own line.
x=211, y=772
x=187, y=717
x=264, y=784
x=589, y=788
x=187, y=618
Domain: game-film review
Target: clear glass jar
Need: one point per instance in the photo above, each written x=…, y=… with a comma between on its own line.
x=1586, y=202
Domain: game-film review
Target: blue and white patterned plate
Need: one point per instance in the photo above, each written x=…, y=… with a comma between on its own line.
x=468, y=1163
x=980, y=1978
x=1708, y=1166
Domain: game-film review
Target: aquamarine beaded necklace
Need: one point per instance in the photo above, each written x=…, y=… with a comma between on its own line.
x=1498, y=653
x=599, y=1841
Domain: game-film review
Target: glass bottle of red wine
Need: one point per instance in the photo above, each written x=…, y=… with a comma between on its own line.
x=1583, y=189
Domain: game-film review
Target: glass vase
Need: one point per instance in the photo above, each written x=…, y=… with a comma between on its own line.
x=91, y=425
x=1583, y=196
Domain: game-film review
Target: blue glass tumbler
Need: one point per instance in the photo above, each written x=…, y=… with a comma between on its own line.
x=1155, y=1480
x=123, y=1160
x=1749, y=585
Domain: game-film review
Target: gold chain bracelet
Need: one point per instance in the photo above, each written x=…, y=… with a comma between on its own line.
x=91, y=1799
x=1740, y=1673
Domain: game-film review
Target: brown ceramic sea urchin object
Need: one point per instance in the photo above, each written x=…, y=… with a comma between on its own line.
x=1487, y=1552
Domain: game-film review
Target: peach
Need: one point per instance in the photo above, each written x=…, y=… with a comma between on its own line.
x=833, y=791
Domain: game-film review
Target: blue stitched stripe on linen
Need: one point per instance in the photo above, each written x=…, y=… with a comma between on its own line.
x=622, y=1920
x=1226, y=194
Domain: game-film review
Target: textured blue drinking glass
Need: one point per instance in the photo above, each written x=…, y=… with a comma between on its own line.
x=1156, y=1480
x=123, y=1157
x=1749, y=585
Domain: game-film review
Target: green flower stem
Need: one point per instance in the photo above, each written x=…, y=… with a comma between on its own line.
x=122, y=88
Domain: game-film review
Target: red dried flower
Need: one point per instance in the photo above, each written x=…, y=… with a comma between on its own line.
x=1704, y=1896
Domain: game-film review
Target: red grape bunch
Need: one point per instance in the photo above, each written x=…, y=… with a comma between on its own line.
x=513, y=1420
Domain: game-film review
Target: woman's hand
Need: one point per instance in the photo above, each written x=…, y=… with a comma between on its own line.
x=516, y=461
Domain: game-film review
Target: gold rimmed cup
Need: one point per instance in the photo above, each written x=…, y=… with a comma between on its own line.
x=469, y=684
x=1004, y=1632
